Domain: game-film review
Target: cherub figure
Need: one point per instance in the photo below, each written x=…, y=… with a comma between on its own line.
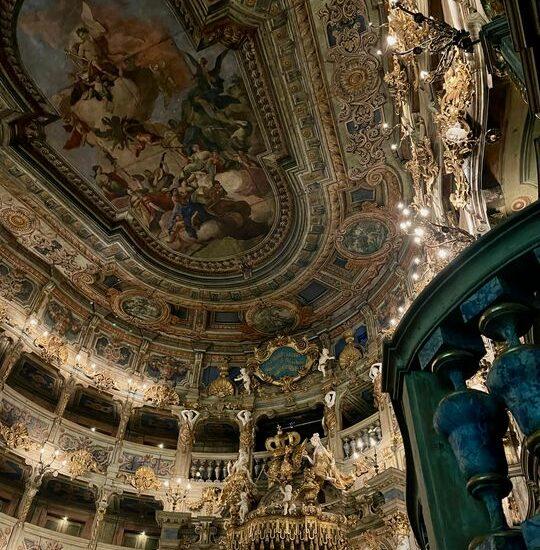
x=374, y=371
x=244, y=506
x=288, y=504
x=245, y=379
x=323, y=359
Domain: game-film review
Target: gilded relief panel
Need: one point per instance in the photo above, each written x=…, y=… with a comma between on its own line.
x=353, y=71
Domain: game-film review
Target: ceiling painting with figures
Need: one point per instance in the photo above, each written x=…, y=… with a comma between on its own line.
x=162, y=132
x=191, y=173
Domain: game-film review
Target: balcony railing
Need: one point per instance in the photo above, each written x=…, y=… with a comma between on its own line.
x=457, y=473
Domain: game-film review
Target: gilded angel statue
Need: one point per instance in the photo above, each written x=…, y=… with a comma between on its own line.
x=324, y=465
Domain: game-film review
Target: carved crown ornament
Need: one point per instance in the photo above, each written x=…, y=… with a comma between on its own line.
x=283, y=361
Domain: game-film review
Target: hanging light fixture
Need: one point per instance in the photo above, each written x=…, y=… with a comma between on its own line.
x=440, y=39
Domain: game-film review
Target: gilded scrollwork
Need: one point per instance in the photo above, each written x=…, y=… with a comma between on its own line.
x=161, y=396
x=16, y=436
x=454, y=129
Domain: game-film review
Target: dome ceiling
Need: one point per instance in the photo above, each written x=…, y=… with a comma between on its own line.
x=208, y=170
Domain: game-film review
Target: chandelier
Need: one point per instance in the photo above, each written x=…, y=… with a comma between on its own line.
x=176, y=493
x=439, y=38
x=49, y=466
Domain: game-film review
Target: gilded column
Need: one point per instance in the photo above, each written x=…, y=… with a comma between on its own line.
x=330, y=422
x=102, y=502
x=186, y=438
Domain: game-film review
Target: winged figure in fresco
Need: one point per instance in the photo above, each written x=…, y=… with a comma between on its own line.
x=164, y=132
x=209, y=82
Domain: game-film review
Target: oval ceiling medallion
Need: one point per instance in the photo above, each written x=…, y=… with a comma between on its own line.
x=365, y=236
x=139, y=308
x=279, y=317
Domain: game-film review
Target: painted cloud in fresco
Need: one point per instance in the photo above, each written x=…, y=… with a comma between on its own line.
x=162, y=131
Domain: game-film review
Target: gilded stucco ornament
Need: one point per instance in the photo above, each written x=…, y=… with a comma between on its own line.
x=16, y=436
x=104, y=381
x=52, y=348
x=289, y=512
x=407, y=33
x=287, y=455
x=350, y=354
x=222, y=385
x=238, y=488
x=397, y=83
x=161, y=396
x=424, y=170
x=144, y=479
x=356, y=85
x=80, y=462
x=18, y=220
x=283, y=361
x=454, y=129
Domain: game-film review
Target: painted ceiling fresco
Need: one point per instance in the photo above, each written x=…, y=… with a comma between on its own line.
x=162, y=132
x=197, y=171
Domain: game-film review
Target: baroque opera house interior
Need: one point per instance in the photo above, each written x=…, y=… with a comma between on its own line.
x=269, y=274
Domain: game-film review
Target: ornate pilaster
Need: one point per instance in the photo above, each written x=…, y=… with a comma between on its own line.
x=12, y=355
x=68, y=389
x=31, y=487
x=197, y=367
x=171, y=524
x=103, y=496
x=125, y=414
x=184, y=445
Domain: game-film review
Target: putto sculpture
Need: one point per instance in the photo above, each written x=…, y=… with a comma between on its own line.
x=323, y=360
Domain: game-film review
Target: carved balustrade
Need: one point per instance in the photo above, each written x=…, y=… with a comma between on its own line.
x=210, y=467
x=454, y=431
x=260, y=461
x=361, y=437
